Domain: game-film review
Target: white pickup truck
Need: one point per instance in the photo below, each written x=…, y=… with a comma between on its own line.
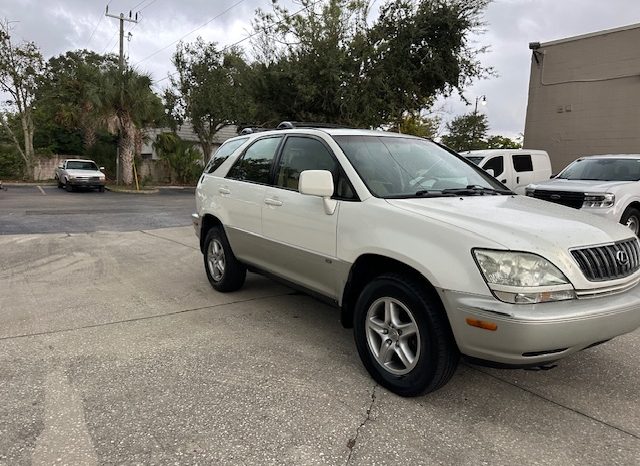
x=76, y=173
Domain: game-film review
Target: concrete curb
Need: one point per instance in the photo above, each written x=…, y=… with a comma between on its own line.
x=114, y=189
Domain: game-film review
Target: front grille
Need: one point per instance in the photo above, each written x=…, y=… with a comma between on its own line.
x=566, y=198
x=609, y=262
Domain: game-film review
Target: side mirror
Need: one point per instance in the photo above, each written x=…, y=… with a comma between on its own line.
x=318, y=183
x=490, y=172
x=101, y=169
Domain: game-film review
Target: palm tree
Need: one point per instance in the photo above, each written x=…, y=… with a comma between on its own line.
x=127, y=105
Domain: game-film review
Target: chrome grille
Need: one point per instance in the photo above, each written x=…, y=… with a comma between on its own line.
x=609, y=262
x=566, y=198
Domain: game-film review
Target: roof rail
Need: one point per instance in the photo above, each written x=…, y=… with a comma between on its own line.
x=305, y=124
x=251, y=130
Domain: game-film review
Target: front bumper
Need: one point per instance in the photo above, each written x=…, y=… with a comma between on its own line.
x=86, y=182
x=538, y=333
x=195, y=220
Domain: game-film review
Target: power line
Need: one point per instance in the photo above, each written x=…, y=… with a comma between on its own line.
x=147, y=6
x=227, y=47
x=96, y=27
x=190, y=32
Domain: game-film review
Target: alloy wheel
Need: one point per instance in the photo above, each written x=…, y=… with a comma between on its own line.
x=216, y=260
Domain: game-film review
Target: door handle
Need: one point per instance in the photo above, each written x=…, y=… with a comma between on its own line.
x=517, y=179
x=273, y=202
x=223, y=190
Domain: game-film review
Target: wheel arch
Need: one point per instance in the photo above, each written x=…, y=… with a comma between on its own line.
x=366, y=268
x=208, y=221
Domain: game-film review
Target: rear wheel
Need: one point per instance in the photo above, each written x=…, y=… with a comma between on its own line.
x=631, y=218
x=224, y=271
x=403, y=336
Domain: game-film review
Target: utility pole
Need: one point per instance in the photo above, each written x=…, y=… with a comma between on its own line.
x=122, y=19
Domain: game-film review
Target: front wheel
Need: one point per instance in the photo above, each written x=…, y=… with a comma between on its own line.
x=403, y=336
x=68, y=187
x=224, y=271
x=631, y=219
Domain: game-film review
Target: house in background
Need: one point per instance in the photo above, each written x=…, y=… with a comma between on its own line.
x=155, y=169
x=584, y=95
x=186, y=133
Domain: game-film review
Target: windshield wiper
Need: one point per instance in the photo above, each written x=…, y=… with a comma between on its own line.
x=475, y=190
x=432, y=193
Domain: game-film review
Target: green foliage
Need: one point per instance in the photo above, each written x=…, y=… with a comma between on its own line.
x=11, y=164
x=209, y=90
x=181, y=155
x=467, y=132
x=329, y=64
x=417, y=125
x=503, y=142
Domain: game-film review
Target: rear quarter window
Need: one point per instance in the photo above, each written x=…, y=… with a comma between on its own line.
x=223, y=153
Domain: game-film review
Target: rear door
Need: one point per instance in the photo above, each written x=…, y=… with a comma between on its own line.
x=241, y=196
x=301, y=236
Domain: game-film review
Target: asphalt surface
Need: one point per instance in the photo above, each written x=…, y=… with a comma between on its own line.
x=114, y=349
x=47, y=209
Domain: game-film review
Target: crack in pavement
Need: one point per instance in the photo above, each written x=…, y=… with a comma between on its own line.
x=137, y=319
x=169, y=239
x=549, y=400
x=352, y=441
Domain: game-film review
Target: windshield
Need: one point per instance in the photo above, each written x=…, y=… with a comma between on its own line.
x=394, y=167
x=603, y=170
x=78, y=165
x=475, y=159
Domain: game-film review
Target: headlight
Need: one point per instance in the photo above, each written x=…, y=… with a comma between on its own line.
x=71, y=177
x=598, y=200
x=522, y=278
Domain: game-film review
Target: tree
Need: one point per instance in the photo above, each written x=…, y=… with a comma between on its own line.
x=68, y=96
x=418, y=125
x=328, y=63
x=20, y=69
x=127, y=104
x=209, y=90
x=467, y=132
x=503, y=142
x=182, y=156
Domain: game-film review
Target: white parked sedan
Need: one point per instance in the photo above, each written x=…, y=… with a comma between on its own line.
x=605, y=185
x=79, y=173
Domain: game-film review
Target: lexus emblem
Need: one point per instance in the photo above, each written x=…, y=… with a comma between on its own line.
x=555, y=197
x=622, y=257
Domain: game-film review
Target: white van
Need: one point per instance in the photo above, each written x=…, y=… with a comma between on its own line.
x=515, y=168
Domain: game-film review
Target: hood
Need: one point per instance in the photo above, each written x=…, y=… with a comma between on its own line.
x=85, y=173
x=582, y=186
x=518, y=222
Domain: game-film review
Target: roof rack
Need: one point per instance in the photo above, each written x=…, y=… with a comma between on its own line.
x=304, y=124
x=251, y=130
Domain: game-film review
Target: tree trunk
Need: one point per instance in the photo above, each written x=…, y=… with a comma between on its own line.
x=29, y=157
x=127, y=149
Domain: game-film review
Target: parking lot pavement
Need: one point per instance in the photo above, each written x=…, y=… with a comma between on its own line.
x=114, y=349
x=47, y=209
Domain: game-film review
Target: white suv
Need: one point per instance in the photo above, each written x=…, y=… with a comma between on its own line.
x=427, y=256
x=604, y=185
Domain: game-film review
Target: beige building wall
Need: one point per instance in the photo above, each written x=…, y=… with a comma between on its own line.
x=584, y=96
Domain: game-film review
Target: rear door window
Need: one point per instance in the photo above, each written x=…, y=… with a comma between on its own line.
x=223, y=153
x=522, y=163
x=255, y=165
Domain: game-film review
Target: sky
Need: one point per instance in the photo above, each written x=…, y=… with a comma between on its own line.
x=60, y=25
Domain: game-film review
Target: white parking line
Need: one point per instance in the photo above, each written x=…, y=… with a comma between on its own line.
x=42, y=190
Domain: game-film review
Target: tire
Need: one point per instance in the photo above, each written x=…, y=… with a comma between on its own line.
x=224, y=271
x=631, y=219
x=430, y=355
x=68, y=187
